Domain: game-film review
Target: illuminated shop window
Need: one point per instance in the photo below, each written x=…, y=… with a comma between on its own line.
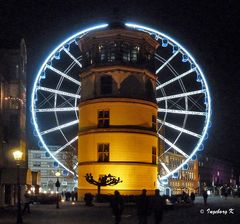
x=103, y=118
x=103, y=152
x=154, y=155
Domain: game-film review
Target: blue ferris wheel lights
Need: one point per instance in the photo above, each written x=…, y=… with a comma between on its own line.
x=164, y=42
x=164, y=181
x=175, y=48
x=40, y=145
x=35, y=133
x=55, y=164
x=185, y=167
x=206, y=100
x=206, y=136
x=43, y=75
x=194, y=157
x=193, y=66
x=57, y=55
x=199, y=78
x=76, y=40
x=47, y=154
x=209, y=124
x=175, y=175
x=65, y=173
x=31, y=120
x=184, y=58
x=67, y=46
x=201, y=147
x=36, y=97
x=49, y=63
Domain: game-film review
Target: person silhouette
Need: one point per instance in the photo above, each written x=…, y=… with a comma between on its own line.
x=158, y=205
x=192, y=196
x=143, y=207
x=205, y=196
x=117, y=205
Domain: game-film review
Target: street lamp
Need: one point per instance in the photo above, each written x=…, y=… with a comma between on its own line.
x=17, y=154
x=57, y=184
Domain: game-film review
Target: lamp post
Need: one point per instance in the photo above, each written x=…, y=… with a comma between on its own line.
x=57, y=184
x=18, y=157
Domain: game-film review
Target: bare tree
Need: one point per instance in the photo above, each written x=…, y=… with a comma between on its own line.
x=106, y=180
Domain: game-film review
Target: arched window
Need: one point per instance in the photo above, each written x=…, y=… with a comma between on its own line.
x=149, y=90
x=106, y=84
x=131, y=87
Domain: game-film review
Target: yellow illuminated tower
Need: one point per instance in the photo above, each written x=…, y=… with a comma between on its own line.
x=118, y=110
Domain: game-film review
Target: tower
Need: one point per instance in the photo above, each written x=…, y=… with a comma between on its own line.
x=118, y=112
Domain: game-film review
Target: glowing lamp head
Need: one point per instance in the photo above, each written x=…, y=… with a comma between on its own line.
x=57, y=174
x=17, y=155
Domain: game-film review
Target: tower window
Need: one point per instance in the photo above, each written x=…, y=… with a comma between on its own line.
x=154, y=122
x=103, y=152
x=134, y=55
x=126, y=55
x=154, y=155
x=106, y=84
x=103, y=118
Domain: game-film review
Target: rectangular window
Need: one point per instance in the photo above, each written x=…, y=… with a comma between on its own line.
x=103, y=118
x=103, y=152
x=154, y=155
x=36, y=155
x=134, y=55
x=154, y=122
x=36, y=164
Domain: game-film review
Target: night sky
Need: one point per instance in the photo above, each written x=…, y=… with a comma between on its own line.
x=210, y=30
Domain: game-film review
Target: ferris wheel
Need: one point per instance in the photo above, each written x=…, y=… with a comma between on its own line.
x=182, y=96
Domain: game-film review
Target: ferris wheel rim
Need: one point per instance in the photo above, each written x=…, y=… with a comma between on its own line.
x=134, y=26
x=50, y=56
x=209, y=110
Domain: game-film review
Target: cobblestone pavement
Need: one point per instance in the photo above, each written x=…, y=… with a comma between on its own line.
x=101, y=213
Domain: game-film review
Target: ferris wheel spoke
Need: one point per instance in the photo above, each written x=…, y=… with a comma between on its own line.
x=175, y=79
x=67, y=103
x=59, y=127
x=76, y=165
x=173, y=146
x=195, y=102
x=181, y=95
x=164, y=167
x=46, y=99
x=166, y=62
x=58, y=109
x=58, y=92
x=179, y=128
x=66, y=145
x=182, y=112
x=63, y=74
x=72, y=57
x=175, y=104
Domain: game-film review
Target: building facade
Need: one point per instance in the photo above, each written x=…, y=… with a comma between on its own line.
x=40, y=161
x=215, y=173
x=118, y=110
x=12, y=121
x=187, y=179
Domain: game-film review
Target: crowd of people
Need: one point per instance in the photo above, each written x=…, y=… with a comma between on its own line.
x=144, y=204
x=70, y=196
